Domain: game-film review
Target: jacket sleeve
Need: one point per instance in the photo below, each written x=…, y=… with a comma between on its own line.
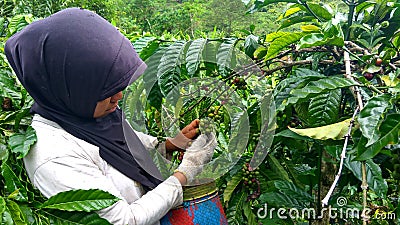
x=150, y=208
x=151, y=143
x=66, y=173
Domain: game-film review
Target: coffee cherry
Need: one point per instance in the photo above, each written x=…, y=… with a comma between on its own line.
x=7, y=104
x=368, y=76
x=378, y=62
x=180, y=156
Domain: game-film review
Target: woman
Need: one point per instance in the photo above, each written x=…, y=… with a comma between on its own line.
x=75, y=65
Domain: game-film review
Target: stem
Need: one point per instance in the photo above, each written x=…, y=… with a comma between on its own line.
x=375, y=89
x=360, y=106
x=342, y=157
x=319, y=180
x=294, y=63
x=354, y=89
x=308, y=8
x=364, y=186
x=364, y=183
x=352, y=6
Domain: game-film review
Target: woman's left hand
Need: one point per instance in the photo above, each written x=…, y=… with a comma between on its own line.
x=181, y=141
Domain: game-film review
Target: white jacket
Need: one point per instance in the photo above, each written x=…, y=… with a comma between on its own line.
x=60, y=162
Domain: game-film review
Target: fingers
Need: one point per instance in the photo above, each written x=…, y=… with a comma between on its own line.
x=192, y=126
x=191, y=131
x=198, y=144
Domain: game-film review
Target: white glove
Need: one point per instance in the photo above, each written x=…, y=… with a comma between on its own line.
x=197, y=155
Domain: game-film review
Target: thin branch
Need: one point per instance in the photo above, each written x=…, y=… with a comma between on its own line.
x=309, y=9
x=352, y=6
x=286, y=64
x=342, y=157
x=356, y=47
x=360, y=106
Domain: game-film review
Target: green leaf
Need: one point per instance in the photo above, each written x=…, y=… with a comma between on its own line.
x=8, y=86
x=234, y=210
x=318, y=39
x=13, y=183
x=80, y=200
x=194, y=55
x=2, y=206
x=142, y=43
x=374, y=175
x=74, y=218
x=28, y=213
x=371, y=117
x=290, y=134
x=371, y=68
x=390, y=130
x=153, y=92
x=287, y=195
x=321, y=12
x=260, y=52
x=279, y=43
x=20, y=143
x=277, y=168
x=16, y=213
x=160, y=162
x=316, y=87
x=323, y=109
x=6, y=218
x=168, y=73
x=18, y=22
x=260, y=4
x=363, y=6
x=309, y=28
x=334, y=131
x=133, y=105
x=250, y=45
x=300, y=18
x=283, y=90
x=3, y=151
x=248, y=212
x=231, y=186
x=305, y=173
x=225, y=55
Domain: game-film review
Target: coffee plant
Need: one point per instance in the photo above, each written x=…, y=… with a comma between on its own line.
x=329, y=135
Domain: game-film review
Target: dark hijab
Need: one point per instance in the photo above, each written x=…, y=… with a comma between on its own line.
x=70, y=61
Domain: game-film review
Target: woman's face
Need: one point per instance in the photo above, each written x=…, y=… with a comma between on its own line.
x=107, y=105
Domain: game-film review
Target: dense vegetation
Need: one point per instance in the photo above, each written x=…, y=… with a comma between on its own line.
x=328, y=140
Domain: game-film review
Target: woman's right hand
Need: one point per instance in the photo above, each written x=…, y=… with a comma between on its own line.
x=197, y=155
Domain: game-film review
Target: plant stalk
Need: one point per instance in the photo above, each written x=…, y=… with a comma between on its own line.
x=352, y=6
x=342, y=157
x=360, y=106
x=355, y=91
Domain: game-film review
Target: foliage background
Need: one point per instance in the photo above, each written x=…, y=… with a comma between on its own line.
x=300, y=47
